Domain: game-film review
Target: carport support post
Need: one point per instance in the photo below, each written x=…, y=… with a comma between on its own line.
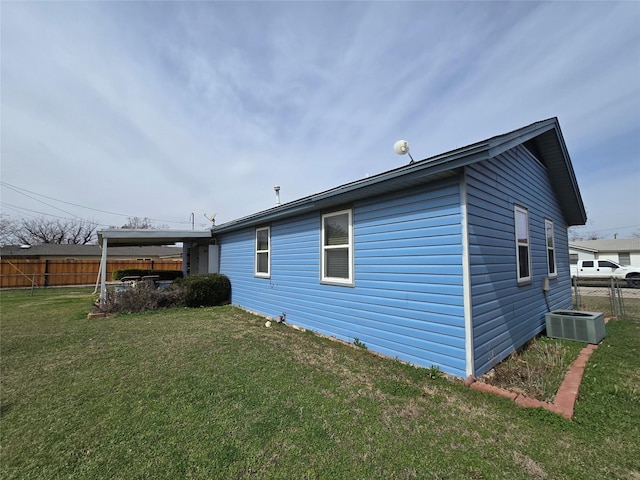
x=103, y=274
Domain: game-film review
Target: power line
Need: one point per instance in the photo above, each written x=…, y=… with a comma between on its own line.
x=18, y=209
x=45, y=203
x=21, y=191
x=607, y=229
x=619, y=228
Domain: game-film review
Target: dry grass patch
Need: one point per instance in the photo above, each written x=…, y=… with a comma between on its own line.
x=537, y=369
x=533, y=468
x=406, y=416
x=462, y=406
x=633, y=475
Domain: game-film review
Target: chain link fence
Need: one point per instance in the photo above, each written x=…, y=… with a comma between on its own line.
x=614, y=290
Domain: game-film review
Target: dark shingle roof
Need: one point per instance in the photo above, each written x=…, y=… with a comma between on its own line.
x=74, y=251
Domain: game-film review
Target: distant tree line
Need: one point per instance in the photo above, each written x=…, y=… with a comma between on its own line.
x=39, y=230
x=35, y=231
x=576, y=234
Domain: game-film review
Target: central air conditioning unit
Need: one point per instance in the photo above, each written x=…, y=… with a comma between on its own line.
x=575, y=325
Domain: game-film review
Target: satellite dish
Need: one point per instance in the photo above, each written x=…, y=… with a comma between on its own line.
x=211, y=218
x=401, y=147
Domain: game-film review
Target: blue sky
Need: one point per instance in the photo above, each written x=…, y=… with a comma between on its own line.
x=162, y=109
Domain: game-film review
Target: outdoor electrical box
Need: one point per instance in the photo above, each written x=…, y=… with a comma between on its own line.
x=545, y=284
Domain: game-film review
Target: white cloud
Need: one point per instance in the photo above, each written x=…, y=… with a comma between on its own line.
x=169, y=108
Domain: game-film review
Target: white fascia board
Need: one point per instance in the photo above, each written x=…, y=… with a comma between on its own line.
x=158, y=237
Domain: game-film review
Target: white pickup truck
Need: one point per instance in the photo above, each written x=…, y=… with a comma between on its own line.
x=606, y=269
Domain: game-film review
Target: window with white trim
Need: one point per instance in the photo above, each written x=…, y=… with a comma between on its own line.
x=263, y=252
x=551, y=249
x=523, y=251
x=337, y=247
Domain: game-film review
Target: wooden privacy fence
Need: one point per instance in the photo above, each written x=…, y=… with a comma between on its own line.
x=16, y=273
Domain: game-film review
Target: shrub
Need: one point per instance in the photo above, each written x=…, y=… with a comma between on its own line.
x=140, y=272
x=144, y=297
x=206, y=290
x=195, y=291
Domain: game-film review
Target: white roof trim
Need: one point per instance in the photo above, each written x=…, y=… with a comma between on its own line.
x=147, y=236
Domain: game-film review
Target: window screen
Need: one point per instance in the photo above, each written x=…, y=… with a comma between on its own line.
x=337, y=247
x=263, y=251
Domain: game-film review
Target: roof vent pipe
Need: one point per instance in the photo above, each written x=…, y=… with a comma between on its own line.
x=277, y=189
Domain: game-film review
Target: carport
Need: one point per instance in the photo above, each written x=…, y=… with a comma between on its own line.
x=200, y=254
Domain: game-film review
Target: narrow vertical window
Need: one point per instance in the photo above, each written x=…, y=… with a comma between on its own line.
x=523, y=256
x=551, y=249
x=337, y=247
x=263, y=252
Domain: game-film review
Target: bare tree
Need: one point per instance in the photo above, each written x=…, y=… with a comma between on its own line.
x=575, y=234
x=141, y=223
x=81, y=234
x=578, y=232
x=7, y=227
x=40, y=230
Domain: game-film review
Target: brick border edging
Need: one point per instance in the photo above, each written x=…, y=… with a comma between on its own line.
x=565, y=398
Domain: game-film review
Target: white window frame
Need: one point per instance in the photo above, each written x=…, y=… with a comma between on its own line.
x=516, y=211
x=266, y=274
x=324, y=248
x=552, y=268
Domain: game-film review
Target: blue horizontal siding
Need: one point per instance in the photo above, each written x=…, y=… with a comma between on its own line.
x=407, y=297
x=505, y=314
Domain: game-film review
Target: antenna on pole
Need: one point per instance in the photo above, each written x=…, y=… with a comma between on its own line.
x=401, y=147
x=212, y=219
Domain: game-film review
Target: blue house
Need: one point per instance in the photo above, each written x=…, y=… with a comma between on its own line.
x=451, y=261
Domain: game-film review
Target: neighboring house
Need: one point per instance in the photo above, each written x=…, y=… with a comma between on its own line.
x=450, y=261
x=52, y=251
x=625, y=251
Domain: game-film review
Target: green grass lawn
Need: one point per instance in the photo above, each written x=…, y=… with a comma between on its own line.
x=212, y=393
